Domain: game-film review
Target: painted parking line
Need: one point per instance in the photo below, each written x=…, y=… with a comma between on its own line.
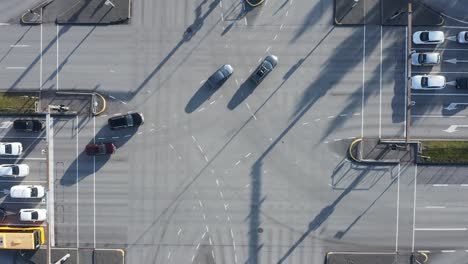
x=15, y=68
x=20, y=158
x=439, y=94
x=19, y=46
x=21, y=181
x=435, y=72
x=438, y=116
x=442, y=229
x=22, y=137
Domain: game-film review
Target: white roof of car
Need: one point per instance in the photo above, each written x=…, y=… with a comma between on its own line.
x=16, y=148
x=25, y=191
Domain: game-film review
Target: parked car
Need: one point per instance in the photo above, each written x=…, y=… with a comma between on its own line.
x=462, y=37
x=126, y=121
x=15, y=170
x=428, y=82
x=28, y=125
x=27, y=191
x=425, y=58
x=11, y=148
x=267, y=65
x=100, y=149
x=220, y=76
x=33, y=215
x=461, y=83
x=428, y=37
x=254, y=2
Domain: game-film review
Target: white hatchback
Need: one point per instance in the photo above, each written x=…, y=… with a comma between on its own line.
x=428, y=82
x=27, y=191
x=11, y=148
x=15, y=170
x=428, y=37
x=33, y=215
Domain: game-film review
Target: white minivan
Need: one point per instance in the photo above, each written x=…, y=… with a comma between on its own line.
x=27, y=191
x=14, y=170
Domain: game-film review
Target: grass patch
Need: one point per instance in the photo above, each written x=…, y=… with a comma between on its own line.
x=445, y=151
x=14, y=103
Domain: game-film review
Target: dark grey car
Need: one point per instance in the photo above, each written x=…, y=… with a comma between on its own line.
x=267, y=65
x=220, y=76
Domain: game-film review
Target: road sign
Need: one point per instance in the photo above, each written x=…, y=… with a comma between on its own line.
x=453, y=128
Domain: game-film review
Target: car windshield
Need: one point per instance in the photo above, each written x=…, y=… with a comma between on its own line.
x=424, y=81
x=424, y=36
x=29, y=124
x=129, y=120
x=8, y=149
x=15, y=170
x=34, y=215
x=422, y=58
x=34, y=192
x=466, y=36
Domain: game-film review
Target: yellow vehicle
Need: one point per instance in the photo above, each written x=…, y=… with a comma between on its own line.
x=21, y=237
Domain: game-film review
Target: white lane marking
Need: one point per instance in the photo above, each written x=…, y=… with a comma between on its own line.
x=248, y=154
x=139, y=133
x=439, y=94
x=169, y=255
x=200, y=148
x=357, y=114
x=20, y=180
x=19, y=46
x=380, y=88
x=221, y=194
x=4, y=24
x=194, y=139
x=201, y=205
x=281, y=27
x=207, y=229
x=237, y=163
x=126, y=136
x=363, y=82
x=267, y=49
x=318, y=119
x=57, y=62
x=330, y=117
x=94, y=186
x=343, y=115
x=464, y=185
x=202, y=81
x=447, y=251
x=15, y=68
x=222, y=17
x=305, y=123
x=245, y=20
x=40, y=62
x=414, y=205
x=434, y=207
x=287, y=12
x=442, y=49
x=112, y=97
x=442, y=229
x=77, y=181
x=180, y=230
x=170, y=145
x=439, y=185
x=201, y=109
x=260, y=59
x=351, y=137
x=117, y=113
x=398, y=208
x=275, y=37
x=212, y=102
x=337, y=139
x=217, y=182
x=115, y=137
x=406, y=84
x=206, y=158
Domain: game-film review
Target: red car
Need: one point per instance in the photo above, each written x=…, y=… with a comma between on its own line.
x=100, y=149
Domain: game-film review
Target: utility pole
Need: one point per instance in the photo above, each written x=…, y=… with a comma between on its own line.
x=408, y=76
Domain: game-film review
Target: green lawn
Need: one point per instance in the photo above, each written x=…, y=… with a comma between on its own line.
x=17, y=103
x=446, y=151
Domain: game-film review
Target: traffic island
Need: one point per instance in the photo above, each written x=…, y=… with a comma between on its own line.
x=377, y=151
x=450, y=152
x=18, y=102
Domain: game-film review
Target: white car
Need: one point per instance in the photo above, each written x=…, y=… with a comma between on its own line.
x=427, y=82
x=33, y=215
x=425, y=58
x=428, y=37
x=462, y=37
x=11, y=148
x=15, y=170
x=27, y=191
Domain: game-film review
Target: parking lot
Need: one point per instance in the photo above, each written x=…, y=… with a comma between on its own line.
x=434, y=112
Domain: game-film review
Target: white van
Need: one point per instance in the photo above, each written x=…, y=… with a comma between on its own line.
x=15, y=170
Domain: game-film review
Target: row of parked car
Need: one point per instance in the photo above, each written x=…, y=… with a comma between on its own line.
x=433, y=82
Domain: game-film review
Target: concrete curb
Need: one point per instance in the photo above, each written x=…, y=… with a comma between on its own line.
x=356, y=143
x=104, y=104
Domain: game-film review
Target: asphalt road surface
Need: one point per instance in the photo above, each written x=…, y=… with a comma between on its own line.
x=243, y=173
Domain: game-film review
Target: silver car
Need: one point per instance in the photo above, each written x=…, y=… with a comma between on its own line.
x=425, y=58
x=462, y=37
x=428, y=37
x=220, y=76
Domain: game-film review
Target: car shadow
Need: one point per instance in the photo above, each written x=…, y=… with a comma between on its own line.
x=85, y=165
x=241, y=94
x=203, y=94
